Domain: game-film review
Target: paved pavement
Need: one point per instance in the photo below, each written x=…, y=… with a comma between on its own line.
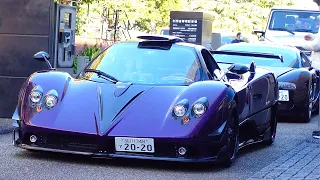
x=16, y=163
x=5, y=126
x=302, y=162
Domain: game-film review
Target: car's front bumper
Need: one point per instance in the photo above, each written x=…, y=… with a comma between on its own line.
x=209, y=149
x=296, y=105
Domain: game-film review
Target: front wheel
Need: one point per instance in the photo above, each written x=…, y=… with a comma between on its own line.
x=308, y=109
x=232, y=142
x=316, y=111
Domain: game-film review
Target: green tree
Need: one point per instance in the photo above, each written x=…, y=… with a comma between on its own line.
x=146, y=15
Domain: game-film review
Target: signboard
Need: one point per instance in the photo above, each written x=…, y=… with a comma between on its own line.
x=190, y=30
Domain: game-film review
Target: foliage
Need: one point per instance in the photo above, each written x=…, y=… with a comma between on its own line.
x=90, y=52
x=149, y=15
x=238, y=15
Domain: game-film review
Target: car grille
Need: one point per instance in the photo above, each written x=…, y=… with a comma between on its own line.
x=95, y=144
x=296, y=97
x=66, y=142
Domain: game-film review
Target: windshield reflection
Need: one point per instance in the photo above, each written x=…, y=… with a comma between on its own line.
x=128, y=63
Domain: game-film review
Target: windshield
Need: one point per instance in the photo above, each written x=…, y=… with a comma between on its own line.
x=295, y=21
x=289, y=56
x=128, y=63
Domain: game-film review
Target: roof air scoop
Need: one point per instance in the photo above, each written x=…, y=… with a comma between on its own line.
x=172, y=39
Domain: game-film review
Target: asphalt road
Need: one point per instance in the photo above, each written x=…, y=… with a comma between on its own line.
x=20, y=164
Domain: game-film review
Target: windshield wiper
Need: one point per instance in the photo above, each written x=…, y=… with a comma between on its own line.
x=101, y=73
x=284, y=29
x=303, y=30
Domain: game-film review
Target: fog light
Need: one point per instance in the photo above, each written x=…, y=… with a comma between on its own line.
x=33, y=138
x=182, y=151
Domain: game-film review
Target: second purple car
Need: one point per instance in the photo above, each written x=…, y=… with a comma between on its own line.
x=159, y=98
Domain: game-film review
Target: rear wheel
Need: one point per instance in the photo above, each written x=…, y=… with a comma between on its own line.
x=232, y=142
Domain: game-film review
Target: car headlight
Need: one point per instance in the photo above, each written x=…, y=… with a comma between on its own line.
x=179, y=110
x=287, y=86
x=51, y=99
x=199, y=109
x=35, y=96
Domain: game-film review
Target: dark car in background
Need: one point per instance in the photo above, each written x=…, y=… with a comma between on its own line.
x=298, y=80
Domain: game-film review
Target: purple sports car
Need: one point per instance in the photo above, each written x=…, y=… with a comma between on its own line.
x=159, y=98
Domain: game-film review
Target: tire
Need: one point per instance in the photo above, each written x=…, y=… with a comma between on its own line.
x=273, y=126
x=316, y=111
x=232, y=142
x=308, y=109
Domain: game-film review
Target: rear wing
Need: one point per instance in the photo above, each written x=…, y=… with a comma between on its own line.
x=250, y=54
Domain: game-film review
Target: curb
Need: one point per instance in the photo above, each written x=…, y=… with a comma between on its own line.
x=6, y=126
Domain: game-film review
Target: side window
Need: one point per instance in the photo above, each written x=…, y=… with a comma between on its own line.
x=305, y=60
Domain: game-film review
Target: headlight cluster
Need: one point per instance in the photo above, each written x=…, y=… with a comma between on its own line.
x=51, y=99
x=37, y=100
x=181, y=109
x=35, y=96
x=287, y=86
x=199, y=109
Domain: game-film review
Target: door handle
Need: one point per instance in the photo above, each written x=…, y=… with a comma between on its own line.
x=257, y=96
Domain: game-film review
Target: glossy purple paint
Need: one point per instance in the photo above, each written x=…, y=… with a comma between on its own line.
x=92, y=108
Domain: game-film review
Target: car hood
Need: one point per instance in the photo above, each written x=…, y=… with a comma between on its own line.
x=286, y=38
x=115, y=109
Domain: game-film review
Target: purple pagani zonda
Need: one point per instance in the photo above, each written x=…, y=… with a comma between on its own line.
x=159, y=98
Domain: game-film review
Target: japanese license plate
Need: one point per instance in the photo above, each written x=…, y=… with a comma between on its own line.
x=283, y=95
x=126, y=144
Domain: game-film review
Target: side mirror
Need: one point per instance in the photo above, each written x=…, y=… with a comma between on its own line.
x=238, y=68
x=43, y=56
x=40, y=56
x=257, y=32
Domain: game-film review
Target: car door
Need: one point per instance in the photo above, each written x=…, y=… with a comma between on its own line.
x=260, y=97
